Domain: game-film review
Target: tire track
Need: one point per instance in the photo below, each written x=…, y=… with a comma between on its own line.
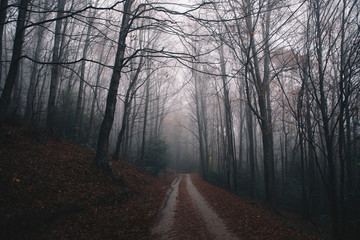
x=163, y=227
x=189, y=223
x=214, y=224
x=185, y=214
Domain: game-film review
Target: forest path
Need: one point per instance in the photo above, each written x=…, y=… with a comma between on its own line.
x=190, y=216
x=165, y=222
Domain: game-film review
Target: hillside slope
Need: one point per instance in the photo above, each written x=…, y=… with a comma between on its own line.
x=53, y=190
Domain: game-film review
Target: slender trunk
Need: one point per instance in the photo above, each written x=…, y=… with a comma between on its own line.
x=157, y=116
x=142, y=156
x=268, y=147
x=34, y=72
x=205, y=133
x=250, y=129
x=16, y=93
x=284, y=147
x=200, y=128
x=301, y=133
x=228, y=120
x=78, y=111
x=3, y=10
x=67, y=99
x=263, y=94
x=132, y=126
x=92, y=110
x=224, y=170
x=125, y=144
x=161, y=118
x=41, y=99
x=349, y=150
x=312, y=183
x=127, y=102
x=55, y=69
x=311, y=160
x=302, y=173
x=332, y=181
x=241, y=140
x=302, y=148
x=218, y=157
x=342, y=120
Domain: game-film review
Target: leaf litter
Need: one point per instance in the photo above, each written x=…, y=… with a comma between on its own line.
x=246, y=218
x=53, y=190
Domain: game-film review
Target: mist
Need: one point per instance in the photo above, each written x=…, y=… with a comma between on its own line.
x=260, y=98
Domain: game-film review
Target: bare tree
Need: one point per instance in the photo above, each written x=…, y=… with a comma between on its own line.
x=29, y=111
x=3, y=10
x=54, y=84
x=79, y=109
x=15, y=60
x=101, y=158
x=130, y=92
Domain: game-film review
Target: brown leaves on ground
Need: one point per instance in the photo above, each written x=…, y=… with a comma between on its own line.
x=53, y=190
x=188, y=223
x=246, y=218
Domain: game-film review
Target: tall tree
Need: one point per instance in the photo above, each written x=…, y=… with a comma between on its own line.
x=262, y=86
x=35, y=69
x=101, y=158
x=130, y=92
x=54, y=82
x=15, y=59
x=79, y=109
x=3, y=11
x=251, y=149
x=231, y=159
x=145, y=121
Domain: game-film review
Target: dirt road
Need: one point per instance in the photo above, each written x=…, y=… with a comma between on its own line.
x=187, y=215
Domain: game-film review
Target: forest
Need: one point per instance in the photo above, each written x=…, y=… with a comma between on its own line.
x=259, y=97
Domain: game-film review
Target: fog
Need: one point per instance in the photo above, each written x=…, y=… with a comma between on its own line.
x=258, y=97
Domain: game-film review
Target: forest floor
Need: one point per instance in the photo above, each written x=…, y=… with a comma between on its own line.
x=204, y=211
x=51, y=189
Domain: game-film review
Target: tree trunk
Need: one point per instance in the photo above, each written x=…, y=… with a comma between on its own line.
x=127, y=103
x=15, y=61
x=55, y=69
x=311, y=161
x=3, y=10
x=132, y=126
x=143, y=141
x=332, y=181
x=228, y=121
x=203, y=113
x=250, y=127
x=222, y=146
x=101, y=158
x=78, y=111
x=263, y=95
x=200, y=127
x=29, y=111
x=92, y=109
